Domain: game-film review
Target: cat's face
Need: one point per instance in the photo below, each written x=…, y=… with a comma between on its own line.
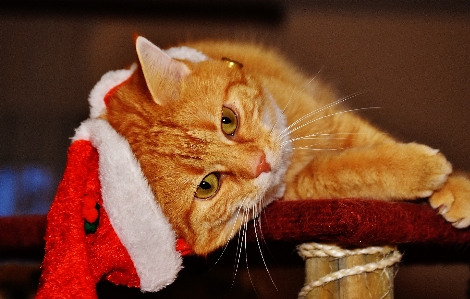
x=206, y=136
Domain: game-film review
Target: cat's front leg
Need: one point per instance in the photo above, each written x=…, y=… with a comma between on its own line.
x=391, y=171
x=453, y=200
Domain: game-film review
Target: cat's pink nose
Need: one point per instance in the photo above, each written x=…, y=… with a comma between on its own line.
x=263, y=166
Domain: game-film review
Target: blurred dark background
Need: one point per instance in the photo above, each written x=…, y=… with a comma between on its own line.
x=412, y=58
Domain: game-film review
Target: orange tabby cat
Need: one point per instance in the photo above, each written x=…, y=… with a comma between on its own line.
x=220, y=138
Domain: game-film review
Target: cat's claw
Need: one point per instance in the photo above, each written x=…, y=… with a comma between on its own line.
x=442, y=210
x=452, y=201
x=462, y=223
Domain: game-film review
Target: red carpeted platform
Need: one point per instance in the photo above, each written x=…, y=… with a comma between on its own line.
x=358, y=223
x=346, y=222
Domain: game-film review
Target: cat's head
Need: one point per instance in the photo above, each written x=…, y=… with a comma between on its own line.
x=206, y=136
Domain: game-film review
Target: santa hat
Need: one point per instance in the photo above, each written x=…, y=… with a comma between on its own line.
x=104, y=221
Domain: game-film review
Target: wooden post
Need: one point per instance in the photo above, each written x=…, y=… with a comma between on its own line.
x=334, y=273
x=316, y=268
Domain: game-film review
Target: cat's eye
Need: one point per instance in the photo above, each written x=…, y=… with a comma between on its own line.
x=229, y=121
x=208, y=186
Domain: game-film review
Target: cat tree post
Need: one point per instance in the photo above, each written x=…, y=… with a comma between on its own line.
x=336, y=273
x=316, y=268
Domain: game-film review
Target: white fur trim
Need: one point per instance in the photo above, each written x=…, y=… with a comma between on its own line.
x=127, y=198
x=106, y=83
x=133, y=212
x=186, y=53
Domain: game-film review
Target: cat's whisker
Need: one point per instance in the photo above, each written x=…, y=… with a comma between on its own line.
x=232, y=233
x=240, y=208
x=288, y=130
x=319, y=137
x=262, y=235
x=292, y=97
x=283, y=110
x=320, y=145
x=313, y=78
x=246, y=256
x=260, y=228
x=326, y=116
x=321, y=133
x=237, y=260
x=260, y=251
x=241, y=239
x=311, y=138
x=317, y=149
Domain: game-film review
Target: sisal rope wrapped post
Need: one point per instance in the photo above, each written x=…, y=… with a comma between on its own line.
x=336, y=273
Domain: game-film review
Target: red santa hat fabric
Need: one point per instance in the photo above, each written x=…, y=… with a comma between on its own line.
x=104, y=221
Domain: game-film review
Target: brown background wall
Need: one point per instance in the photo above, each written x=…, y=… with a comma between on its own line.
x=412, y=61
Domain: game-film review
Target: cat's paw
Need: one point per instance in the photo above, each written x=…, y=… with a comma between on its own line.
x=453, y=201
x=429, y=168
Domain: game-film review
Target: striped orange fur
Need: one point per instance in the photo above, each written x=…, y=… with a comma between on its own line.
x=294, y=140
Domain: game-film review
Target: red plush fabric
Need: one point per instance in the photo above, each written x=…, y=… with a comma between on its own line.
x=74, y=262
x=347, y=222
x=357, y=223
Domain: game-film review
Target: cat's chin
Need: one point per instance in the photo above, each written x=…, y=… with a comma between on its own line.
x=251, y=208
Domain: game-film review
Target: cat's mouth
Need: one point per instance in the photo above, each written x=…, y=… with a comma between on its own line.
x=270, y=186
x=238, y=219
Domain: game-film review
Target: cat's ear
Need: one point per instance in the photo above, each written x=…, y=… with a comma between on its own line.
x=162, y=74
